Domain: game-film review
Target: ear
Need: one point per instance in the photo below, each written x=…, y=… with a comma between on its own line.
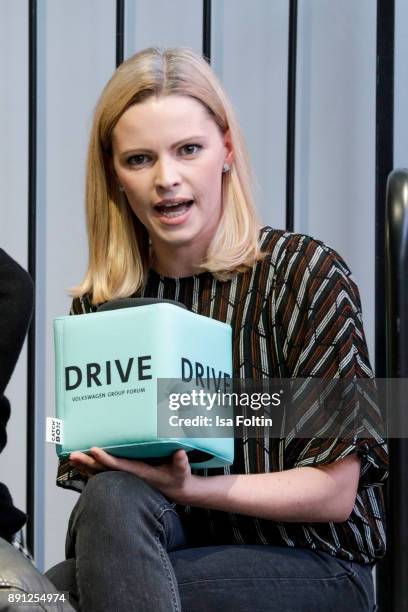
x=229, y=153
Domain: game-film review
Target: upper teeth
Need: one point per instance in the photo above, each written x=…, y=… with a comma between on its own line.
x=169, y=204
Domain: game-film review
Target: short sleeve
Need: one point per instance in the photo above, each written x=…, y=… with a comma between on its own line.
x=317, y=312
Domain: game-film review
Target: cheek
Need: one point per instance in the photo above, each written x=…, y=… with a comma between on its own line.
x=137, y=207
x=214, y=166
x=139, y=211
x=209, y=176
x=137, y=191
x=211, y=179
x=135, y=196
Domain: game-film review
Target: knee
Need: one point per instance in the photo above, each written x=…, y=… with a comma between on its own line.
x=113, y=492
x=107, y=489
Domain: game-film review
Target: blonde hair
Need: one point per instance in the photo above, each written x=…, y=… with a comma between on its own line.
x=118, y=242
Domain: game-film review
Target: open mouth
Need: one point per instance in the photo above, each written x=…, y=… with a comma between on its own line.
x=175, y=209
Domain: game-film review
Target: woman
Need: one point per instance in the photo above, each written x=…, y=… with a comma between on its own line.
x=292, y=525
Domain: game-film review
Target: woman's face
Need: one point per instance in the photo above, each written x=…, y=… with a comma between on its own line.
x=168, y=156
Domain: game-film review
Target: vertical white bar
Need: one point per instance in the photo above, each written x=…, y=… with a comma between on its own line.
x=179, y=25
x=80, y=48
x=250, y=54
x=335, y=135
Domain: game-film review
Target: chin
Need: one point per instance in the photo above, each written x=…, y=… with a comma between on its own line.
x=180, y=241
x=178, y=235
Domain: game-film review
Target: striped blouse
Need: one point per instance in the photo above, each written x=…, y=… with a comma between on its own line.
x=296, y=313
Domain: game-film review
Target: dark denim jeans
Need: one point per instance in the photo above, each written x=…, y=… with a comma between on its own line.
x=127, y=550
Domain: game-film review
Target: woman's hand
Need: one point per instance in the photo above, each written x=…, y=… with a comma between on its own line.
x=174, y=479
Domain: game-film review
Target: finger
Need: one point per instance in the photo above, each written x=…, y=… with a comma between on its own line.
x=104, y=458
x=120, y=463
x=180, y=459
x=84, y=461
x=180, y=456
x=78, y=456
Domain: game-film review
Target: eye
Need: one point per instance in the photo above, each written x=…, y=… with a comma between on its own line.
x=136, y=160
x=191, y=149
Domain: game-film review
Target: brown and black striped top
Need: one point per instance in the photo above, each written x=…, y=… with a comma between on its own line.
x=296, y=313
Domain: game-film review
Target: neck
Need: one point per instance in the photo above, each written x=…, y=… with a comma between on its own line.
x=175, y=264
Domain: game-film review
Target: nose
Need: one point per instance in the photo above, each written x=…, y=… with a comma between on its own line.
x=167, y=175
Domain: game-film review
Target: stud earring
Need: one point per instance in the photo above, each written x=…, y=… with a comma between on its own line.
x=225, y=168
x=121, y=188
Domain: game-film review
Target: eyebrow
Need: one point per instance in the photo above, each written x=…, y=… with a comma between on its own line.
x=189, y=139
